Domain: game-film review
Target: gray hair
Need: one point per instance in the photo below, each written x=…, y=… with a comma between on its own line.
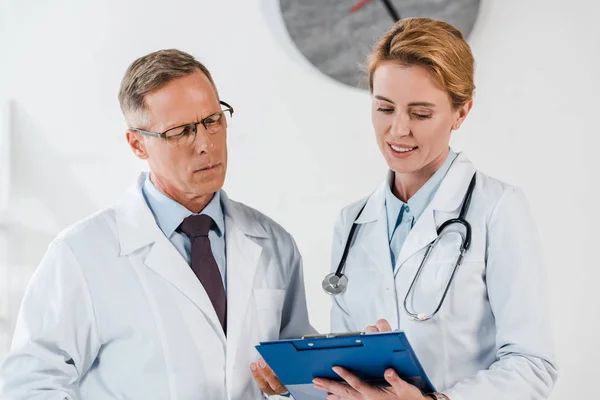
x=151, y=72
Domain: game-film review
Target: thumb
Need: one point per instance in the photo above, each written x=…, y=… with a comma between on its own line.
x=383, y=325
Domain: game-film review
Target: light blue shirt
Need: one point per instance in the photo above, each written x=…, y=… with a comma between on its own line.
x=401, y=217
x=169, y=214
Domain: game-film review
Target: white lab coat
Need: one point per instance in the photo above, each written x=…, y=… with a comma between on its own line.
x=114, y=311
x=492, y=338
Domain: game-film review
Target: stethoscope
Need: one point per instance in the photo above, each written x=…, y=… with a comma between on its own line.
x=337, y=282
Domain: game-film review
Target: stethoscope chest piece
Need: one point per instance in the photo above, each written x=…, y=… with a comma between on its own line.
x=333, y=284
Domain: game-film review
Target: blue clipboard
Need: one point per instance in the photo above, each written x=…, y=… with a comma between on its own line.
x=297, y=362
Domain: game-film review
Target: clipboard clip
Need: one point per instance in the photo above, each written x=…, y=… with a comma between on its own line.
x=332, y=335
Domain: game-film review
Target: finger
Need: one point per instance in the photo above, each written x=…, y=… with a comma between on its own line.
x=355, y=382
x=322, y=383
x=336, y=388
x=383, y=326
x=371, y=329
x=270, y=390
x=333, y=397
x=398, y=385
x=260, y=380
x=271, y=378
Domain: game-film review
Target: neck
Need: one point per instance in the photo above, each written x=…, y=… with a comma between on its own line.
x=194, y=203
x=408, y=183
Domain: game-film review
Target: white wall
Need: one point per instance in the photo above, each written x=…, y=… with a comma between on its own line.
x=301, y=146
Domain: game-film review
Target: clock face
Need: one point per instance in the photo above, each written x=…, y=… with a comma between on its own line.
x=337, y=35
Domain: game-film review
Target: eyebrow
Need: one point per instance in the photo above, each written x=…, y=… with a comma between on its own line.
x=414, y=104
x=378, y=97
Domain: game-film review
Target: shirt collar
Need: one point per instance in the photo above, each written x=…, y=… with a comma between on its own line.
x=169, y=214
x=420, y=200
x=393, y=205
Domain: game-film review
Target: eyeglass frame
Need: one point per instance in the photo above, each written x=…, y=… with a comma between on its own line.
x=163, y=135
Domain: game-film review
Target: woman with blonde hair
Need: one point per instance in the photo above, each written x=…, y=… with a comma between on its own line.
x=441, y=251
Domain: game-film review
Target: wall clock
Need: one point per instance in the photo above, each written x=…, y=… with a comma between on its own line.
x=336, y=35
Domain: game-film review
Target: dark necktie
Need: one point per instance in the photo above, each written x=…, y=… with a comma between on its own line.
x=204, y=265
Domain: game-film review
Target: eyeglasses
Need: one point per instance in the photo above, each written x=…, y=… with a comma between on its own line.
x=186, y=134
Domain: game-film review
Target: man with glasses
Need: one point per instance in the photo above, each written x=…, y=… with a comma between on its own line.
x=164, y=295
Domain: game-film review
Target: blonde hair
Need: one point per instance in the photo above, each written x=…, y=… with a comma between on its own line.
x=435, y=45
x=151, y=72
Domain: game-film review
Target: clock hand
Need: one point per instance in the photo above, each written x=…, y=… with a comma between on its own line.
x=391, y=10
x=359, y=5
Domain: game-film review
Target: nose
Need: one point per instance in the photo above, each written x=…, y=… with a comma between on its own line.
x=401, y=125
x=203, y=140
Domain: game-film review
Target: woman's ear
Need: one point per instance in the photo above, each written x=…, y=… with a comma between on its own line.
x=462, y=114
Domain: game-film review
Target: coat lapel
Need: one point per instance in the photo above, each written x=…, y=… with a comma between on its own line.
x=373, y=225
x=448, y=199
x=166, y=261
x=373, y=247
x=137, y=229
x=423, y=233
x=243, y=235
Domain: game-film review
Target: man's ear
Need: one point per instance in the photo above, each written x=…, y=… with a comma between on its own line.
x=137, y=144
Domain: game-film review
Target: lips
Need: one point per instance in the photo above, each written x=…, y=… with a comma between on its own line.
x=208, y=167
x=402, y=148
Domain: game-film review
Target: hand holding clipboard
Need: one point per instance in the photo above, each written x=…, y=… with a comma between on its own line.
x=364, y=356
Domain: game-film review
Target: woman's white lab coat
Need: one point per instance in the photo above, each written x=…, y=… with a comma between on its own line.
x=491, y=338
